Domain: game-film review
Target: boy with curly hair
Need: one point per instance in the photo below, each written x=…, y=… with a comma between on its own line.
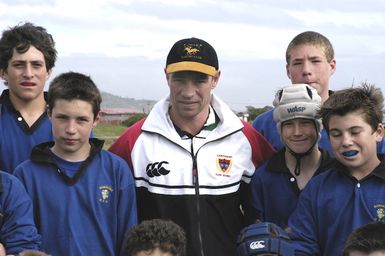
x=156, y=237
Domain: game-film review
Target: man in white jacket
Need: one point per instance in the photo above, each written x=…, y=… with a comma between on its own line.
x=192, y=157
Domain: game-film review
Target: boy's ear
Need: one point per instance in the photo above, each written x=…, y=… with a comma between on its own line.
x=49, y=114
x=3, y=74
x=96, y=120
x=380, y=132
x=49, y=72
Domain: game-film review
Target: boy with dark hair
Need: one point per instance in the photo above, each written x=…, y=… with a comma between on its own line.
x=367, y=240
x=72, y=181
x=352, y=192
x=156, y=237
x=27, y=56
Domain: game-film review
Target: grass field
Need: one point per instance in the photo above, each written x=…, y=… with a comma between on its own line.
x=108, y=132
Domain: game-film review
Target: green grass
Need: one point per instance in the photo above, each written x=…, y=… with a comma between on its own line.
x=108, y=132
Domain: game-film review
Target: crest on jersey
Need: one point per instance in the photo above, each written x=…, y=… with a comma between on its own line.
x=105, y=193
x=380, y=212
x=224, y=163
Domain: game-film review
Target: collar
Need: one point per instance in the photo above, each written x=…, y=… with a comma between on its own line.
x=277, y=163
x=211, y=123
x=379, y=171
x=42, y=154
x=5, y=99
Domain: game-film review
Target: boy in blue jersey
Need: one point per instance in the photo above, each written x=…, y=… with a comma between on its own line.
x=276, y=185
x=309, y=60
x=82, y=195
x=27, y=56
x=17, y=227
x=352, y=192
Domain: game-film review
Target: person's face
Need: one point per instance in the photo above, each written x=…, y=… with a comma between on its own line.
x=376, y=253
x=72, y=122
x=26, y=74
x=155, y=252
x=299, y=134
x=354, y=142
x=308, y=65
x=190, y=93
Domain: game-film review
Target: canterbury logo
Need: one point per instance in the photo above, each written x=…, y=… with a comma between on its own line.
x=296, y=109
x=257, y=245
x=156, y=169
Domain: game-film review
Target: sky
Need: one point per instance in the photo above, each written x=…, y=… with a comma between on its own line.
x=123, y=44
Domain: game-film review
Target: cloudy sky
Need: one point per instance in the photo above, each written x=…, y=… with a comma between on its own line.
x=123, y=44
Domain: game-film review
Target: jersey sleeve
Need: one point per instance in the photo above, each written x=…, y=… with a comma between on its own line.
x=256, y=209
x=127, y=210
x=302, y=224
x=261, y=148
x=18, y=231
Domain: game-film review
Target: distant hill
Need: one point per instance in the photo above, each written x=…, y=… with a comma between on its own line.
x=113, y=101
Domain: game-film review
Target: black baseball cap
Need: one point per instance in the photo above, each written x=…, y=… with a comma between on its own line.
x=192, y=54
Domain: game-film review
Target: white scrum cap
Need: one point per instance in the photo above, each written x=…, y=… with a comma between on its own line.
x=297, y=101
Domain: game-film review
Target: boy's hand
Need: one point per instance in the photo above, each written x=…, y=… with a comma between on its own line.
x=2, y=250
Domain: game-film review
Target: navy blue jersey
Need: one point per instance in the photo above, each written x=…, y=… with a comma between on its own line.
x=274, y=190
x=332, y=205
x=17, y=227
x=16, y=138
x=84, y=214
x=264, y=124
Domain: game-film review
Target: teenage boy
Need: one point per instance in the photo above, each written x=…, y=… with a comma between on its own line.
x=352, y=192
x=276, y=185
x=309, y=60
x=27, y=56
x=83, y=196
x=193, y=157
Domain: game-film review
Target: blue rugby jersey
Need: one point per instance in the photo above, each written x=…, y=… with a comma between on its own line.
x=16, y=138
x=332, y=205
x=274, y=190
x=17, y=227
x=84, y=214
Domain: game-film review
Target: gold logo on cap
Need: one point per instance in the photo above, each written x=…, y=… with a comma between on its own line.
x=190, y=50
